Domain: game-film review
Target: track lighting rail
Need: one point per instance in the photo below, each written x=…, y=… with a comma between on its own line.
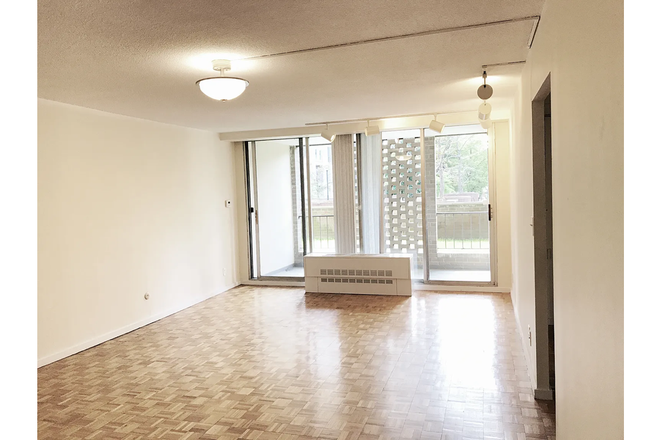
x=534, y=18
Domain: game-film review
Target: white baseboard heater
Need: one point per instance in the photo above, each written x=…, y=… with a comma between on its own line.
x=379, y=274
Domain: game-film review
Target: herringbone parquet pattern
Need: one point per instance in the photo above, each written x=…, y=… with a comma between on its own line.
x=276, y=363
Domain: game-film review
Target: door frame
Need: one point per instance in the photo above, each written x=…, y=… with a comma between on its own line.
x=252, y=194
x=492, y=230
x=542, y=224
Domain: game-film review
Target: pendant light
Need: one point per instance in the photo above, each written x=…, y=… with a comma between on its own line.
x=222, y=88
x=436, y=125
x=484, y=111
x=486, y=124
x=325, y=134
x=484, y=92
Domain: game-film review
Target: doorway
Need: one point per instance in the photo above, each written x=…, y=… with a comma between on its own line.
x=277, y=209
x=543, y=242
x=459, y=219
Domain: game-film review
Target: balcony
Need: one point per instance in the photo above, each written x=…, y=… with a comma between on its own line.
x=461, y=251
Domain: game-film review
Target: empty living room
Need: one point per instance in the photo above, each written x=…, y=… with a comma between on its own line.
x=327, y=220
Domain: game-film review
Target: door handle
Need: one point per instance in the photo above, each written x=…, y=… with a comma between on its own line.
x=490, y=212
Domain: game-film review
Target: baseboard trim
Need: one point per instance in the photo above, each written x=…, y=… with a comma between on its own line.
x=416, y=286
x=544, y=394
x=459, y=288
x=118, y=332
x=531, y=369
x=274, y=283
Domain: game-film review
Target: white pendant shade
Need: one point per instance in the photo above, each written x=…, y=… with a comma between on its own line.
x=486, y=123
x=222, y=88
x=485, y=109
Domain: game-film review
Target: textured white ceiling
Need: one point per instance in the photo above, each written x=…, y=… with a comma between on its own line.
x=142, y=58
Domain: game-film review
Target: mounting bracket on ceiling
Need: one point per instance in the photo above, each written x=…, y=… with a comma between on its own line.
x=221, y=65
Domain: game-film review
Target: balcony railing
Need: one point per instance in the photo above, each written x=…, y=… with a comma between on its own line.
x=323, y=227
x=456, y=230
x=462, y=230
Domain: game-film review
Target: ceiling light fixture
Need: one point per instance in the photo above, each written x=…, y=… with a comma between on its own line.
x=325, y=134
x=436, y=125
x=222, y=88
x=484, y=111
x=484, y=92
x=371, y=130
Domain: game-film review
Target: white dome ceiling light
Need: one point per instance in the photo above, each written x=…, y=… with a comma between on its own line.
x=222, y=88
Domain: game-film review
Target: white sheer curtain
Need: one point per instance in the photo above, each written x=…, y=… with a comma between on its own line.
x=342, y=170
x=370, y=158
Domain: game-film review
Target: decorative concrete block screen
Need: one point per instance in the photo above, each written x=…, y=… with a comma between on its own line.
x=402, y=196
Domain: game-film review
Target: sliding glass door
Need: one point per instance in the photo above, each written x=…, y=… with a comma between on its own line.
x=435, y=202
x=416, y=192
x=279, y=207
x=321, y=196
x=458, y=221
x=291, y=204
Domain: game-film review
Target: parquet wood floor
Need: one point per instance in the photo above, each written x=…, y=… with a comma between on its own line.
x=276, y=363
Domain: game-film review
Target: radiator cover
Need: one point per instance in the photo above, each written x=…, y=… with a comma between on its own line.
x=379, y=274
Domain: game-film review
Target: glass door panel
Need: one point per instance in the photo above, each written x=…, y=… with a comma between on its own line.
x=459, y=230
x=321, y=195
x=279, y=208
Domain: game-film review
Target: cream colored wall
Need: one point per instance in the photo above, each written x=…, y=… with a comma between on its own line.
x=126, y=207
x=581, y=45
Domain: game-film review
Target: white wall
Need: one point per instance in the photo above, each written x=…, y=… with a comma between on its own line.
x=275, y=206
x=125, y=207
x=581, y=45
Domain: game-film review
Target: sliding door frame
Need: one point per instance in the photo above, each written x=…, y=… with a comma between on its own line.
x=252, y=198
x=307, y=223
x=251, y=172
x=492, y=230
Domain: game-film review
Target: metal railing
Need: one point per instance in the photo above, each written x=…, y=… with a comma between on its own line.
x=323, y=229
x=462, y=230
x=456, y=230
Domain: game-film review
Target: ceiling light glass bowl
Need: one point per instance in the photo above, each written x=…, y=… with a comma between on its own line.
x=222, y=88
